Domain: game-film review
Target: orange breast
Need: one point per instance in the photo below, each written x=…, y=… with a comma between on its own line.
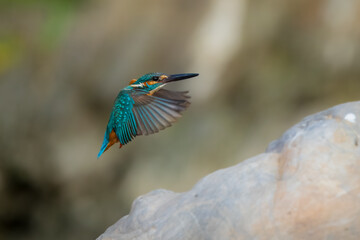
x=112, y=140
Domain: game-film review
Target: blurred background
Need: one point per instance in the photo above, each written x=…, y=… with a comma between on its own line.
x=264, y=65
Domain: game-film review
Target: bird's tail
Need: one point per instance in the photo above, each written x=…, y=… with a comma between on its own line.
x=103, y=147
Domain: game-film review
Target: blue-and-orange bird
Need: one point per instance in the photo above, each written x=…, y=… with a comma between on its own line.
x=144, y=107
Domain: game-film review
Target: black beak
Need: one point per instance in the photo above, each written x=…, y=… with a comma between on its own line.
x=182, y=76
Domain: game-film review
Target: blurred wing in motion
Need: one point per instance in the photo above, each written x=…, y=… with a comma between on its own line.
x=156, y=112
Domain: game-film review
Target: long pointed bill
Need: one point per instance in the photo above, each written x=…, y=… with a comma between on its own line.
x=178, y=77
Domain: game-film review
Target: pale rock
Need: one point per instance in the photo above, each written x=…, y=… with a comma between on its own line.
x=305, y=186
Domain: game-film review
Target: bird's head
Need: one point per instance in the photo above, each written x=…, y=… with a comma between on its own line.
x=153, y=81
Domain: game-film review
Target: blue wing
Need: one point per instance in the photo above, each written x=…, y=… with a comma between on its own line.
x=121, y=121
x=141, y=114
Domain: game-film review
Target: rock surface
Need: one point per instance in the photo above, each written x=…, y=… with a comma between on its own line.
x=305, y=186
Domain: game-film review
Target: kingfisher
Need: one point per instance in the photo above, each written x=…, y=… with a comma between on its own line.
x=144, y=108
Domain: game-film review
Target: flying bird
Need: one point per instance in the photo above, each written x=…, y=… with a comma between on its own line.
x=144, y=108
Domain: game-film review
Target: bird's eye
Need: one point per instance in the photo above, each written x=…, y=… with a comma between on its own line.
x=155, y=78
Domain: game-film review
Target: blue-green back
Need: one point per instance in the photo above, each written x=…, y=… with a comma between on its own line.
x=119, y=119
x=121, y=115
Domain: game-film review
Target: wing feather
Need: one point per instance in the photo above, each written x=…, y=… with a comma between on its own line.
x=152, y=123
x=156, y=112
x=137, y=113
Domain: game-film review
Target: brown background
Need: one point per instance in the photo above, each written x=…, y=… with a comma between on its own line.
x=263, y=66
